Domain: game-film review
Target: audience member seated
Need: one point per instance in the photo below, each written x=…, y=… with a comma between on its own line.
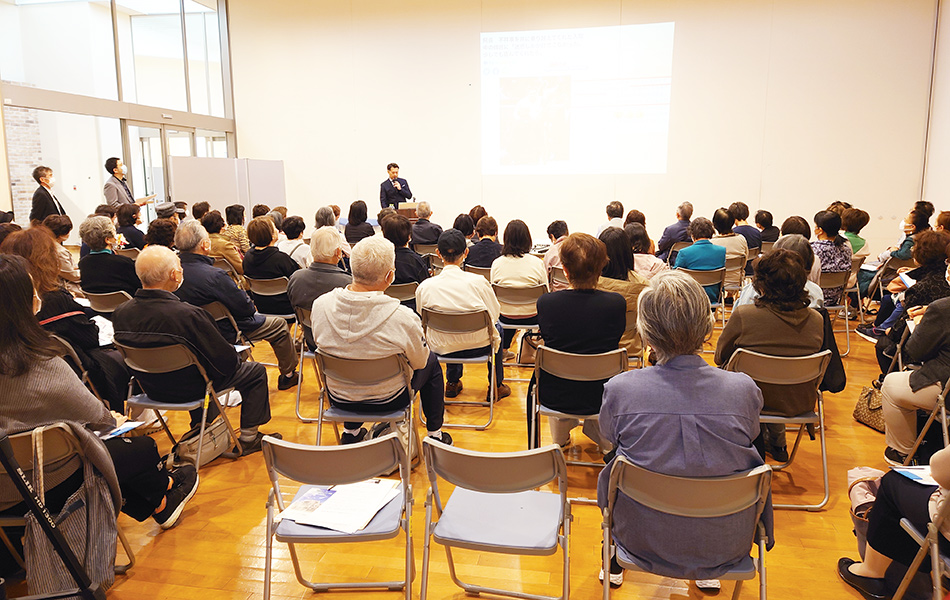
x=8, y=228
x=326, y=216
x=166, y=210
x=800, y=246
x=619, y=276
x=635, y=216
x=294, y=246
x=199, y=210
x=478, y=211
x=752, y=235
x=360, y=322
x=356, y=226
x=410, y=267
x=128, y=216
x=581, y=320
x=323, y=274
x=915, y=222
x=898, y=498
x=614, y=211
x=735, y=244
x=677, y=232
x=61, y=226
x=278, y=218
x=466, y=225
x=832, y=249
x=102, y=271
x=644, y=262
x=265, y=261
x=702, y=255
x=685, y=418
x=778, y=323
x=455, y=290
x=223, y=247
x=516, y=268
x=767, y=231
x=60, y=314
x=798, y=225
x=103, y=210
x=557, y=233
x=943, y=221
x=161, y=232
x=235, y=232
x=40, y=389
x=853, y=220
x=484, y=252
x=423, y=230
x=259, y=210
x=157, y=317
x=204, y=283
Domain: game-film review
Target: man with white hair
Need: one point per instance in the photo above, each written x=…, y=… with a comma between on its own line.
x=360, y=321
x=323, y=274
x=204, y=283
x=157, y=317
x=423, y=231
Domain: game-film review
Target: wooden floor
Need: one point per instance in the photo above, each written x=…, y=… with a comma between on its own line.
x=217, y=551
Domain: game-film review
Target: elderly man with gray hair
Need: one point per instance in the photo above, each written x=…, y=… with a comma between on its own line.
x=204, y=283
x=157, y=317
x=103, y=271
x=424, y=231
x=360, y=321
x=677, y=232
x=323, y=275
x=686, y=418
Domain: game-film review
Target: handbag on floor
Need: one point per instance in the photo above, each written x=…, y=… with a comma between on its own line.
x=863, y=483
x=868, y=410
x=216, y=442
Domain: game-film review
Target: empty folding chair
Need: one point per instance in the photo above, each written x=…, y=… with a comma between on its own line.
x=838, y=280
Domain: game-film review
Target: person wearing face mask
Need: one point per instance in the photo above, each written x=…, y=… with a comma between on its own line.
x=116, y=190
x=44, y=202
x=102, y=270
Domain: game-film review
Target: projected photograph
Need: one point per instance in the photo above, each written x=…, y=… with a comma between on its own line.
x=593, y=100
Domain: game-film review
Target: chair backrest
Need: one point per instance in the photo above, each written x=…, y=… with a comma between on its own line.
x=698, y=497
x=354, y=372
x=833, y=280
x=303, y=316
x=108, y=302
x=581, y=367
x=894, y=263
x=65, y=349
x=61, y=450
x=752, y=253
x=160, y=359
x=436, y=264
x=735, y=263
x=713, y=277
x=677, y=246
x=224, y=265
x=402, y=291
x=132, y=253
x=462, y=322
x=856, y=262
x=526, y=296
x=220, y=312
x=268, y=287
x=424, y=249
x=780, y=370
x=483, y=271
x=332, y=465
x=494, y=472
x=766, y=247
x=557, y=275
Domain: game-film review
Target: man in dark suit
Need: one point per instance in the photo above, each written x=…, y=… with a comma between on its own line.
x=395, y=189
x=423, y=230
x=44, y=202
x=675, y=232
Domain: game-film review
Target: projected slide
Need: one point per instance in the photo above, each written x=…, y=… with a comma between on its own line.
x=576, y=101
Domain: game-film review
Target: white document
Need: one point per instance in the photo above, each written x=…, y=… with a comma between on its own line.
x=351, y=507
x=919, y=475
x=106, y=332
x=123, y=428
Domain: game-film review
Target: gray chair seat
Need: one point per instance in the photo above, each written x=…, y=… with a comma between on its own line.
x=526, y=521
x=143, y=401
x=384, y=526
x=337, y=414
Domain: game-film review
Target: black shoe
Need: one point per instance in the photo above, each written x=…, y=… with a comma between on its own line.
x=285, y=382
x=870, y=332
x=255, y=445
x=893, y=457
x=183, y=474
x=176, y=498
x=779, y=453
x=452, y=388
x=869, y=587
x=445, y=439
x=349, y=438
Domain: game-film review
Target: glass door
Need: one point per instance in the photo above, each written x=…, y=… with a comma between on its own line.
x=146, y=165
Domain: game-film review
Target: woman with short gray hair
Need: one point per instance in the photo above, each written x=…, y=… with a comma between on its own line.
x=102, y=271
x=326, y=218
x=686, y=418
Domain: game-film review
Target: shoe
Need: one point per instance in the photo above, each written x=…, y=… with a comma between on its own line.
x=176, y=498
x=616, y=573
x=502, y=391
x=709, y=585
x=870, y=332
x=779, y=453
x=349, y=438
x=445, y=439
x=183, y=474
x=893, y=458
x=285, y=382
x=508, y=356
x=869, y=587
x=452, y=388
x=255, y=445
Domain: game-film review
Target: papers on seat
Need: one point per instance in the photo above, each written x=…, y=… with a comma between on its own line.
x=919, y=475
x=346, y=508
x=123, y=428
x=106, y=332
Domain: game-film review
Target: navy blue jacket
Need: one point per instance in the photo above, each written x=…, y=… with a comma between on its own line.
x=672, y=234
x=205, y=283
x=390, y=196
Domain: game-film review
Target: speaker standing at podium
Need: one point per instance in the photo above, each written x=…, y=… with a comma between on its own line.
x=394, y=190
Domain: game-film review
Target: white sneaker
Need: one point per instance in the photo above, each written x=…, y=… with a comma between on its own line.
x=708, y=585
x=615, y=579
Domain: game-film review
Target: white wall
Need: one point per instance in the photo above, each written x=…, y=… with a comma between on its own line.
x=785, y=105
x=6, y=199
x=937, y=184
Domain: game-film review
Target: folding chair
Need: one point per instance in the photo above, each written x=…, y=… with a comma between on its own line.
x=876, y=286
x=677, y=246
x=836, y=280
x=790, y=370
x=436, y=264
x=402, y=291
x=329, y=466
x=132, y=253
x=424, y=249
x=856, y=262
x=557, y=275
x=713, y=277
x=108, y=302
x=168, y=359
x=355, y=373
x=304, y=352
x=496, y=508
x=221, y=263
x=220, y=312
x=575, y=367
x=60, y=446
x=691, y=497
x=466, y=323
x=766, y=247
x=734, y=265
x=511, y=296
x=929, y=544
x=940, y=408
x=69, y=354
x=483, y=271
x=270, y=287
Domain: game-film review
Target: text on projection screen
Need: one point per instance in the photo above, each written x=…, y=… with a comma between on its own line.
x=576, y=101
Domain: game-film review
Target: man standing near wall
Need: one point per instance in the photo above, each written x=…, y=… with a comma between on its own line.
x=44, y=202
x=116, y=191
x=394, y=190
